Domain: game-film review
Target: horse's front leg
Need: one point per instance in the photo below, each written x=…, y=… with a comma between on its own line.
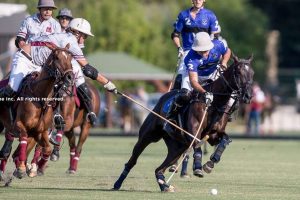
x=46, y=151
x=175, y=150
x=20, y=171
x=197, y=164
x=216, y=156
x=139, y=147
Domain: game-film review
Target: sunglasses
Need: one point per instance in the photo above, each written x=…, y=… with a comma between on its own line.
x=64, y=18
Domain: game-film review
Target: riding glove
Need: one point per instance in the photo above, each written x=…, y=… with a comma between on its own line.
x=111, y=87
x=180, y=52
x=209, y=97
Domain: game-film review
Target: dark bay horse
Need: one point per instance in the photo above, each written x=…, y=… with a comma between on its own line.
x=237, y=79
x=74, y=116
x=35, y=112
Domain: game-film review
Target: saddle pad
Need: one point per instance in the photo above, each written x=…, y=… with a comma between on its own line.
x=167, y=104
x=77, y=100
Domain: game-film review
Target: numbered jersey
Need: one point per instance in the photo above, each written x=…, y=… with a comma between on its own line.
x=205, y=66
x=40, y=52
x=205, y=20
x=32, y=27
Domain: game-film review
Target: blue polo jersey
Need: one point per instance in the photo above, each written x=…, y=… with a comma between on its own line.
x=205, y=66
x=205, y=21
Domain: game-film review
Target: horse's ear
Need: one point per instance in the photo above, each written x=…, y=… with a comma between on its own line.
x=67, y=46
x=235, y=58
x=250, y=58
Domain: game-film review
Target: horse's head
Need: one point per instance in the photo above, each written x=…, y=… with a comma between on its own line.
x=59, y=67
x=243, y=77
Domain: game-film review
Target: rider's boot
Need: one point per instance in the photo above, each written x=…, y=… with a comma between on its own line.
x=7, y=92
x=182, y=97
x=177, y=82
x=86, y=96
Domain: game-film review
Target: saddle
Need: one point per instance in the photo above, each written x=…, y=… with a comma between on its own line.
x=180, y=119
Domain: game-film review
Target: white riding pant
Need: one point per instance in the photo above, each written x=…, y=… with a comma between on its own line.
x=21, y=66
x=78, y=74
x=186, y=80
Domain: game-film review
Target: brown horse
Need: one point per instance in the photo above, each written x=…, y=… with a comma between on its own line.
x=236, y=79
x=73, y=116
x=35, y=112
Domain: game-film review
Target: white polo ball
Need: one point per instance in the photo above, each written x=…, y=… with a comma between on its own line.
x=213, y=191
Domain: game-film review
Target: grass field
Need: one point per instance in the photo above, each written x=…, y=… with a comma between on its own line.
x=249, y=169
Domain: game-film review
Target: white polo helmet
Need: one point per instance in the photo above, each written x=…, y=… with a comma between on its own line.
x=202, y=42
x=81, y=25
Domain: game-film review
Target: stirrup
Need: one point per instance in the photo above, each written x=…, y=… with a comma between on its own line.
x=92, y=118
x=52, y=137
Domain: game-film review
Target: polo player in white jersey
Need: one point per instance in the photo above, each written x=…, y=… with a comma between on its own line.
x=38, y=24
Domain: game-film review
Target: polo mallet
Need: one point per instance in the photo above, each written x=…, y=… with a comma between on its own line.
x=158, y=115
x=191, y=145
x=175, y=73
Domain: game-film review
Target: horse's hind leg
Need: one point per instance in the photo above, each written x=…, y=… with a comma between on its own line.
x=81, y=140
x=139, y=147
x=32, y=168
x=216, y=156
x=175, y=150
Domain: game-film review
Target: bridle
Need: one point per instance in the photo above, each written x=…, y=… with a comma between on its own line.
x=63, y=78
x=237, y=89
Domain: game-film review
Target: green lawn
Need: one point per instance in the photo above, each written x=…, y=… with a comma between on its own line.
x=250, y=169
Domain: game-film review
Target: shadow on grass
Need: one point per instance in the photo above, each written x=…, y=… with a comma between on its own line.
x=86, y=189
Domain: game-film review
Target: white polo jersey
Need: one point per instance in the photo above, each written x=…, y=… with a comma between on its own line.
x=40, y=52
x=32, y=27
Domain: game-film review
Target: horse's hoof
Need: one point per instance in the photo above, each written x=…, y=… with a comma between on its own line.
x=185, y=175
x=71, y=171
x=199, y=173
x=40, y=172
x=28, y=167
x=173, y=168
x=33, y=171
x=170, y=188
x=54, y=156
x=19, y=173
x=207, y=167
